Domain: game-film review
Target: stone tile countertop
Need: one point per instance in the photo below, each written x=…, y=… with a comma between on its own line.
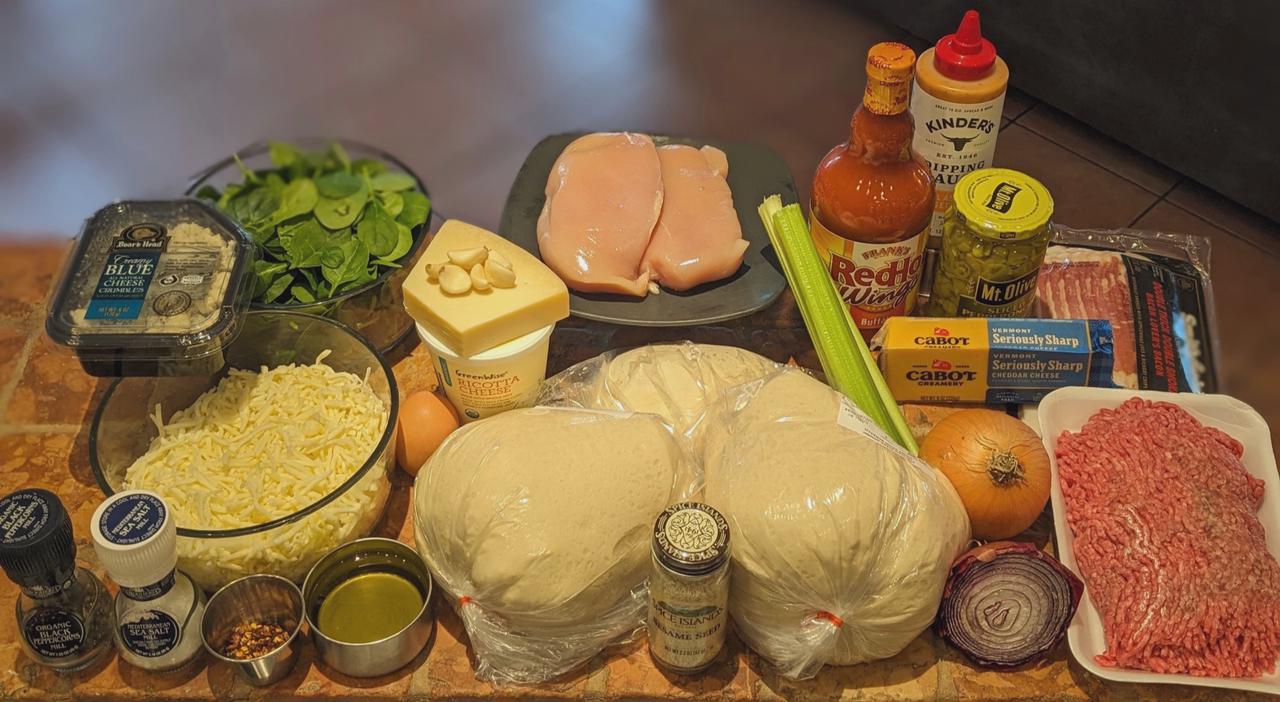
x=46, y=403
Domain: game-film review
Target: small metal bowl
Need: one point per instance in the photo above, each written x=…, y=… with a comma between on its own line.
x=375, y=658
x=269, y=599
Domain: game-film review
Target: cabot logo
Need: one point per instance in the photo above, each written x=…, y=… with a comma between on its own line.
x=939, y=364
x=938, y=375
x=941, y=337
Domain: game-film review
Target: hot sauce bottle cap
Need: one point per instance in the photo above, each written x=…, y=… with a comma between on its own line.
x=965, y=55
x=889, y=68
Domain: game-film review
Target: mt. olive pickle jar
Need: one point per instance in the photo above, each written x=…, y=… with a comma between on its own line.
x=688, y=588
x=993, y=244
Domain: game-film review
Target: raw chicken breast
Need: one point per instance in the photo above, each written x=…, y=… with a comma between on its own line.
x=698, y=238
x=603, y=199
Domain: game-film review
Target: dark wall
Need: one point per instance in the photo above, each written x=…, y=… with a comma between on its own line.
x=1194, y=85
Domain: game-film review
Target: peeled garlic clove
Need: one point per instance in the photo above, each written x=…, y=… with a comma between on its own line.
x=478, y=281
x=499, y=274
x=468, y=258
x=495, y=256
x=454, y=280
x=654, y=289
x=433, y=272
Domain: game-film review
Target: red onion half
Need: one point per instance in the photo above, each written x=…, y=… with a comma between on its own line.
x=1007, y=604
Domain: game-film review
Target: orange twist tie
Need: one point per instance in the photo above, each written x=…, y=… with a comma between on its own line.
x=837, y=621
x=464, y=600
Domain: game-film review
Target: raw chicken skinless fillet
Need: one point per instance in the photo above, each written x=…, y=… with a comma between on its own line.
x=698, y=238
x=604, y=195
x=621, y=213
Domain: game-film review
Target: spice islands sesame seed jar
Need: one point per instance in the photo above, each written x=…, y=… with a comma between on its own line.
x=689, y=588
x=993, y=244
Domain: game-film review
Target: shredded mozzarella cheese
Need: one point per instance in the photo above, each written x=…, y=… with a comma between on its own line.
x=260, y=446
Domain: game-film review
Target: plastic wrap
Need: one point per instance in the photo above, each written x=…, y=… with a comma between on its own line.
x=1154, y=289
x=536, y=525
x=841, y=539
x=674, y=381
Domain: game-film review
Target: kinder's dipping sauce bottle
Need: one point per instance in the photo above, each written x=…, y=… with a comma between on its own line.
x=957, y=103
x=872, y=199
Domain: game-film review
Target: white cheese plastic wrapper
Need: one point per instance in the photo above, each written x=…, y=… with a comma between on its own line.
x=841, y=540
x=536, y=523
x=674, y=381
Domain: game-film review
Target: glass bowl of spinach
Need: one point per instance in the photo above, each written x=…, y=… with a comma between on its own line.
x=338, y=225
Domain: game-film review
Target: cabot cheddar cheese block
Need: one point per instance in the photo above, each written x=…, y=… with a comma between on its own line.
x=517, y=296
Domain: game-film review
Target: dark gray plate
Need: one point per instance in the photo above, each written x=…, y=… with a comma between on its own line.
x=755, y=172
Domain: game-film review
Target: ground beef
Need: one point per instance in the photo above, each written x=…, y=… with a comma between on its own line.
x=1167, y=537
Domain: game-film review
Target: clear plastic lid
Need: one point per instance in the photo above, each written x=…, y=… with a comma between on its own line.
x=153, y=281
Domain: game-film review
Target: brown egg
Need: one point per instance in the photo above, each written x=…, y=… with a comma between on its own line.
x=425, y=420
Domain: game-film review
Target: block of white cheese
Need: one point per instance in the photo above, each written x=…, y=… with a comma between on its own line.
x=478, y=320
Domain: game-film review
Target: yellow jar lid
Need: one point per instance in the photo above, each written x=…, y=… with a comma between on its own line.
x=1003, y=203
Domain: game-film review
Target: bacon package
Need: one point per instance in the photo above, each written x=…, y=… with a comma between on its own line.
x=1154, y=289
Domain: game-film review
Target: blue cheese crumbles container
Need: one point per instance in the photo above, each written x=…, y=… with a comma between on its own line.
x=153, y=288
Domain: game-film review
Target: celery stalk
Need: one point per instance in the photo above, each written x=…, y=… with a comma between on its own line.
x=844, y=355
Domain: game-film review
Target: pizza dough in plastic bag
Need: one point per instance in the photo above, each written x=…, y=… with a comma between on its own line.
x=536, y=524
x=841, y=540
x=674, y=381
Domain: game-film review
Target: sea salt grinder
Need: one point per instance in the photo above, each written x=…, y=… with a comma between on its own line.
x=64, y=611
x=159, y=608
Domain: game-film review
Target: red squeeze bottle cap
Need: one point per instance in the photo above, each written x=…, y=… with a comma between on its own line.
x=965, y=55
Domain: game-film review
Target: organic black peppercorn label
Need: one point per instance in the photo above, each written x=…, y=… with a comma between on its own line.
x=53, y=632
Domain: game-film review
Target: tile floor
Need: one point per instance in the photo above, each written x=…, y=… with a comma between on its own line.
x=107, y=100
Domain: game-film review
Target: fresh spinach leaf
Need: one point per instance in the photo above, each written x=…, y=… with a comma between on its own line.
x=393, y=203
x=306, y=244
x=300, y=293
x=208, y=192
x=392, y=181
x=298, y=198
x=368, y=166
x=342, y=212
x=264, y=273
x=351, y=262
x=404, y=242
x=416, y=209
x=338, y=185
x=341, y=154
x=277, y=288
x=377, y=229
x=256, y=206
x=282, y=155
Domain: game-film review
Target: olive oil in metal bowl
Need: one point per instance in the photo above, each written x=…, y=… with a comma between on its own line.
x=368, y=604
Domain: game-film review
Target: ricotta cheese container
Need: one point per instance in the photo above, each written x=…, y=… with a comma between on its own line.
x=505, y=377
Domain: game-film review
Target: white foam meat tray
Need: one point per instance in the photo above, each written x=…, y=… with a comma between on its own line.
x=1067, y=409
